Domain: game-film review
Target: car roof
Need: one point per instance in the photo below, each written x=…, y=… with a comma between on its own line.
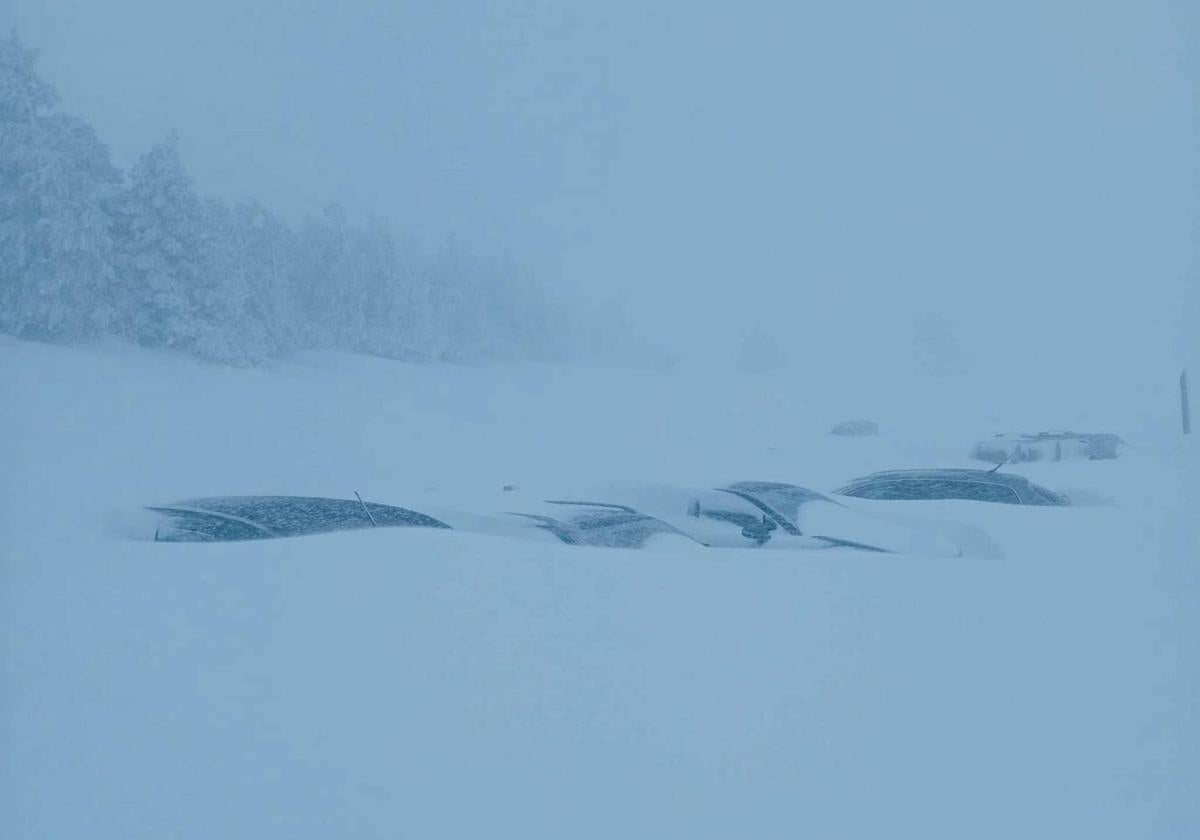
x=1007, y=479
x=1061, y=435
x=295, y=515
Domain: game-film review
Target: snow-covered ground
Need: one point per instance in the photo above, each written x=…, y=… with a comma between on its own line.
x=409, y=683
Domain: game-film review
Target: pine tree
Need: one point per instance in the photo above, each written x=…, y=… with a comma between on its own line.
x=56, y=187
x=230, y=321
x=412, y=326
x=267, y=250
x=457, y=304
x=23, y=94
x=82, y=255
x=161, y=241
x=332, y=264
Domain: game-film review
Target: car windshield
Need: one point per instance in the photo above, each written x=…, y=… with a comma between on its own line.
x=611, y=527
x=782, y=502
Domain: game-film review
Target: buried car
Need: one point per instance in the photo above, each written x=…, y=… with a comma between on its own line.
x=236, y=518
x=748, y=514
x=767, y=514
x=1048, y=446
x=973, y=485
x=601, y=524
x=228, y=518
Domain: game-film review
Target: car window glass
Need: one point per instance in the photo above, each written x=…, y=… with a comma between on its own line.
x=984, y=491
x=890, y=490
x=933, y=488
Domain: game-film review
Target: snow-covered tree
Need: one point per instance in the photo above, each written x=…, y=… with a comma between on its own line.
x=382, y=324
x=162, y=228
x=56, y=186
x=522, y=322
x=23, y=94
x=326, y=277
x=457, y=304
x=230, y=299
x=267, y=250
x=84, y=252
x=414, y=328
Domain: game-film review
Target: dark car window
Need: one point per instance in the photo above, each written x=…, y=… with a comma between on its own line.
x=255, y=517
x=890, y=490
x=986, y=491
x=934, y=488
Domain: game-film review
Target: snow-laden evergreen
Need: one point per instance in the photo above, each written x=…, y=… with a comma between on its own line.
x=56, y=232
x=162, y=253
x=87, y=251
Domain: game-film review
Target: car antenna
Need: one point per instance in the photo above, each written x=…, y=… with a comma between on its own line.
x=374, y=524
x=998, y=466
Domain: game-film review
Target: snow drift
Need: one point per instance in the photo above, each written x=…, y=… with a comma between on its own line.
x=430, y=683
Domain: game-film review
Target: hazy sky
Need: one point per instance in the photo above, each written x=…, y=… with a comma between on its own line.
x=1023, y=172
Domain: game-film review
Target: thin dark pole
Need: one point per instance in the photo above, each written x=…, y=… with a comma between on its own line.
x=1185, y=405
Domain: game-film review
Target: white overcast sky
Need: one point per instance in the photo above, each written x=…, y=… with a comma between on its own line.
x=825, y=173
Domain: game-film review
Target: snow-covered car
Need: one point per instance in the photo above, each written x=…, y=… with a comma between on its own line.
x=741, y=515
x=233, y=518
x=747, y=514
x=767, y=514
x=225, y=518
x=855, y=428
x=973, y=485
x=1048, y=446
x=600, y=524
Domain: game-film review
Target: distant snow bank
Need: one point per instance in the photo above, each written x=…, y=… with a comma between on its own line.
x=438, y=684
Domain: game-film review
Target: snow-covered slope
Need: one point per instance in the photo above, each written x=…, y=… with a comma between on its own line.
x=438, y=684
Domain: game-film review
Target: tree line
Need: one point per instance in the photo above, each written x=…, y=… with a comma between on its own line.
x=88, y=251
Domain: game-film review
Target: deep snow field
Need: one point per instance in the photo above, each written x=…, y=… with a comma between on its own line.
x=409, y=683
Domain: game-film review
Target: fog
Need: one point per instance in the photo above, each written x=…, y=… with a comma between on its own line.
x=606, y=419
x=1022, y=176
